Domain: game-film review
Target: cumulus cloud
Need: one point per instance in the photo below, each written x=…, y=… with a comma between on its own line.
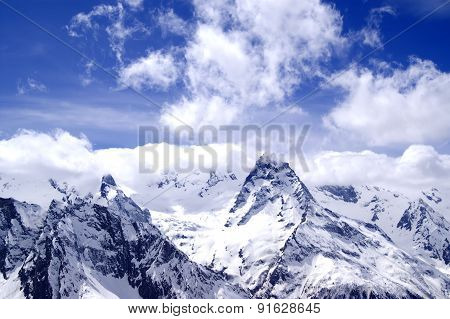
x=237, y=55
x=154, y=70
x=30, y=85
x=31, y=158
x=393, y=105
x=68, y=158
x=252, y=53
x=29, y=150
x=419, y=167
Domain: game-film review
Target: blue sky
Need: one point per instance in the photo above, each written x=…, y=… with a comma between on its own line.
x=44, y=85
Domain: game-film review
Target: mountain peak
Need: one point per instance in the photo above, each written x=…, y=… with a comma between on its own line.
x=108, y=184
x=271, y=182
x=108, y=180
x=270, y=161
x=266, y=158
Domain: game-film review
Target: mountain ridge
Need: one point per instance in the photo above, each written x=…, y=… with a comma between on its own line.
x=275, y=238
x=85, y=241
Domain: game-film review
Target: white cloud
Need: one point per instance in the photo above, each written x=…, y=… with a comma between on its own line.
x=86, y=78
x=394, y=106
x=155, y=70
x=31, y=156
x=120, y=28
x=135, y=4
x=84, y=21
x=370, y=34
x=254, y=53
x=30, y=85
x=55, y=113
x=239, y=54
x=212, y=110
x=419, y=167
x=36, y=153
x=170, y=22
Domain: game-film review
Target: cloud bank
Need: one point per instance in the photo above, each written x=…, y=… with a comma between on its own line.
x=418, y=168
x=61, y=156
x=392, y=106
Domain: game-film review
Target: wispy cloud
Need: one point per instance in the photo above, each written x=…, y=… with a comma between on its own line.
x=121, y=25
x=169, y=22
x=30, y=85
x=371, y=33
x=421, y=7
x=84, y=116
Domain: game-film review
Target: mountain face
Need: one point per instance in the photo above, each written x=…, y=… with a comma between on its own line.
x=325, y=254
x=329, y=256
x=277, y=241
x=266, y=235
x=344, y=193
x=19, y=223
x=414, y=225
x=102, y=247
x=428, y=230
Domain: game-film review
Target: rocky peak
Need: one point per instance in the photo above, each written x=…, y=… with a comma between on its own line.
x=108, y=184
x=86, y=248
x=268, y=182
x=108, y=180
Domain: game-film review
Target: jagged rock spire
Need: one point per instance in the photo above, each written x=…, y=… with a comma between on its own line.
x=107, y=182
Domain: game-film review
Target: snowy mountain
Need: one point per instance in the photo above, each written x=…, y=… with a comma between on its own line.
x=193, y=192
x=413, y=224
x=279, y=242
x=222, y=235
x=96, y=247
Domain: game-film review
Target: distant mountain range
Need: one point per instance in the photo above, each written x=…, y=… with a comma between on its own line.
x=222, y=235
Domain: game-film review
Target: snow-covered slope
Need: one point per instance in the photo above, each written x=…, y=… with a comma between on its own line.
x=103, y=246
x=202, y=235
x=194, y=192
x=28, y=189
x=413, y=224
x=277, y=241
